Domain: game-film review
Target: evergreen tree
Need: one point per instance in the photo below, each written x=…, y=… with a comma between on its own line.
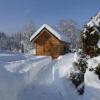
x=80, y=66
x=90, y=37
x=97, y=70
x=90, y=46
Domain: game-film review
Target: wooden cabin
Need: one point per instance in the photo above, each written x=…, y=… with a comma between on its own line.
x=48, y=42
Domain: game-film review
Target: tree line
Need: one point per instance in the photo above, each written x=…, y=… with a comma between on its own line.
x=20, y=41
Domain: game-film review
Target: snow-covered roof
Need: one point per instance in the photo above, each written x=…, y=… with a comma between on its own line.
x=60, y=36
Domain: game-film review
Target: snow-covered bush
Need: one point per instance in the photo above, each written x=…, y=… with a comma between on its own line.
x=80, y=66
x=90, y=37
x=77, y=79
x=80, y=61
x=97, y=70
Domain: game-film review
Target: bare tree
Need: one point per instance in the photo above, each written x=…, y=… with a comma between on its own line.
x=28, y=30
x=70, y=29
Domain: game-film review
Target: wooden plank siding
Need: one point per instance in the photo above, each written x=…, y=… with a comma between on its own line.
x=48, y=45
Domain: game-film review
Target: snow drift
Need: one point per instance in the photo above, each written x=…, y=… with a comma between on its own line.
x=38, y=78
x=41, y=78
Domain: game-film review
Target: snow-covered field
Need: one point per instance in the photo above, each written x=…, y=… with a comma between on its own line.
x=27, y=77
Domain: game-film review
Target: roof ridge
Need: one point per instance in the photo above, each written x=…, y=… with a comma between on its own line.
x=53, y=31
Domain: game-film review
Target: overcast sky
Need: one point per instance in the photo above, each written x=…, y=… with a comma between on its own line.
x=15, y=13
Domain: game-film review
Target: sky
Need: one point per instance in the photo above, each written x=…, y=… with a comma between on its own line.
x=14, y=14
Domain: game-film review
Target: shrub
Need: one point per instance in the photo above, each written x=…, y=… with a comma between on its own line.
x=97, y=70
x=77, y=79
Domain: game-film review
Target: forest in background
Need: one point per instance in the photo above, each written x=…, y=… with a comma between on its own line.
x=20, y=41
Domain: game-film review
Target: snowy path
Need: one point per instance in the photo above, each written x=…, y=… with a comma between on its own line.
x=27, y=64
x=14, y=73
x=35, y=78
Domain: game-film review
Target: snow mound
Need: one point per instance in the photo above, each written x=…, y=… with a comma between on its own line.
x=7, y=56
x=41, y=78
x=38, y=78
x=92, y=82
x=92, y=86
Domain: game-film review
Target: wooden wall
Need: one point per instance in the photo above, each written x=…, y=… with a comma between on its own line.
x=48, y=45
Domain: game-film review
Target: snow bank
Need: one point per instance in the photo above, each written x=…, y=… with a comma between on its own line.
x=10, y=83
x=51, y=82
x=7, y=56
x=38, y=78
x=92, y=86
x=92, y=63
x=41, y=78
x=92, y=82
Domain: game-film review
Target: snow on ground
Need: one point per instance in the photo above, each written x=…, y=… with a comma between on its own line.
x=92, y=86
x=39, y=78
x=49, y=83
x=28, y=77
x=7, y=56
x=92, y=82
